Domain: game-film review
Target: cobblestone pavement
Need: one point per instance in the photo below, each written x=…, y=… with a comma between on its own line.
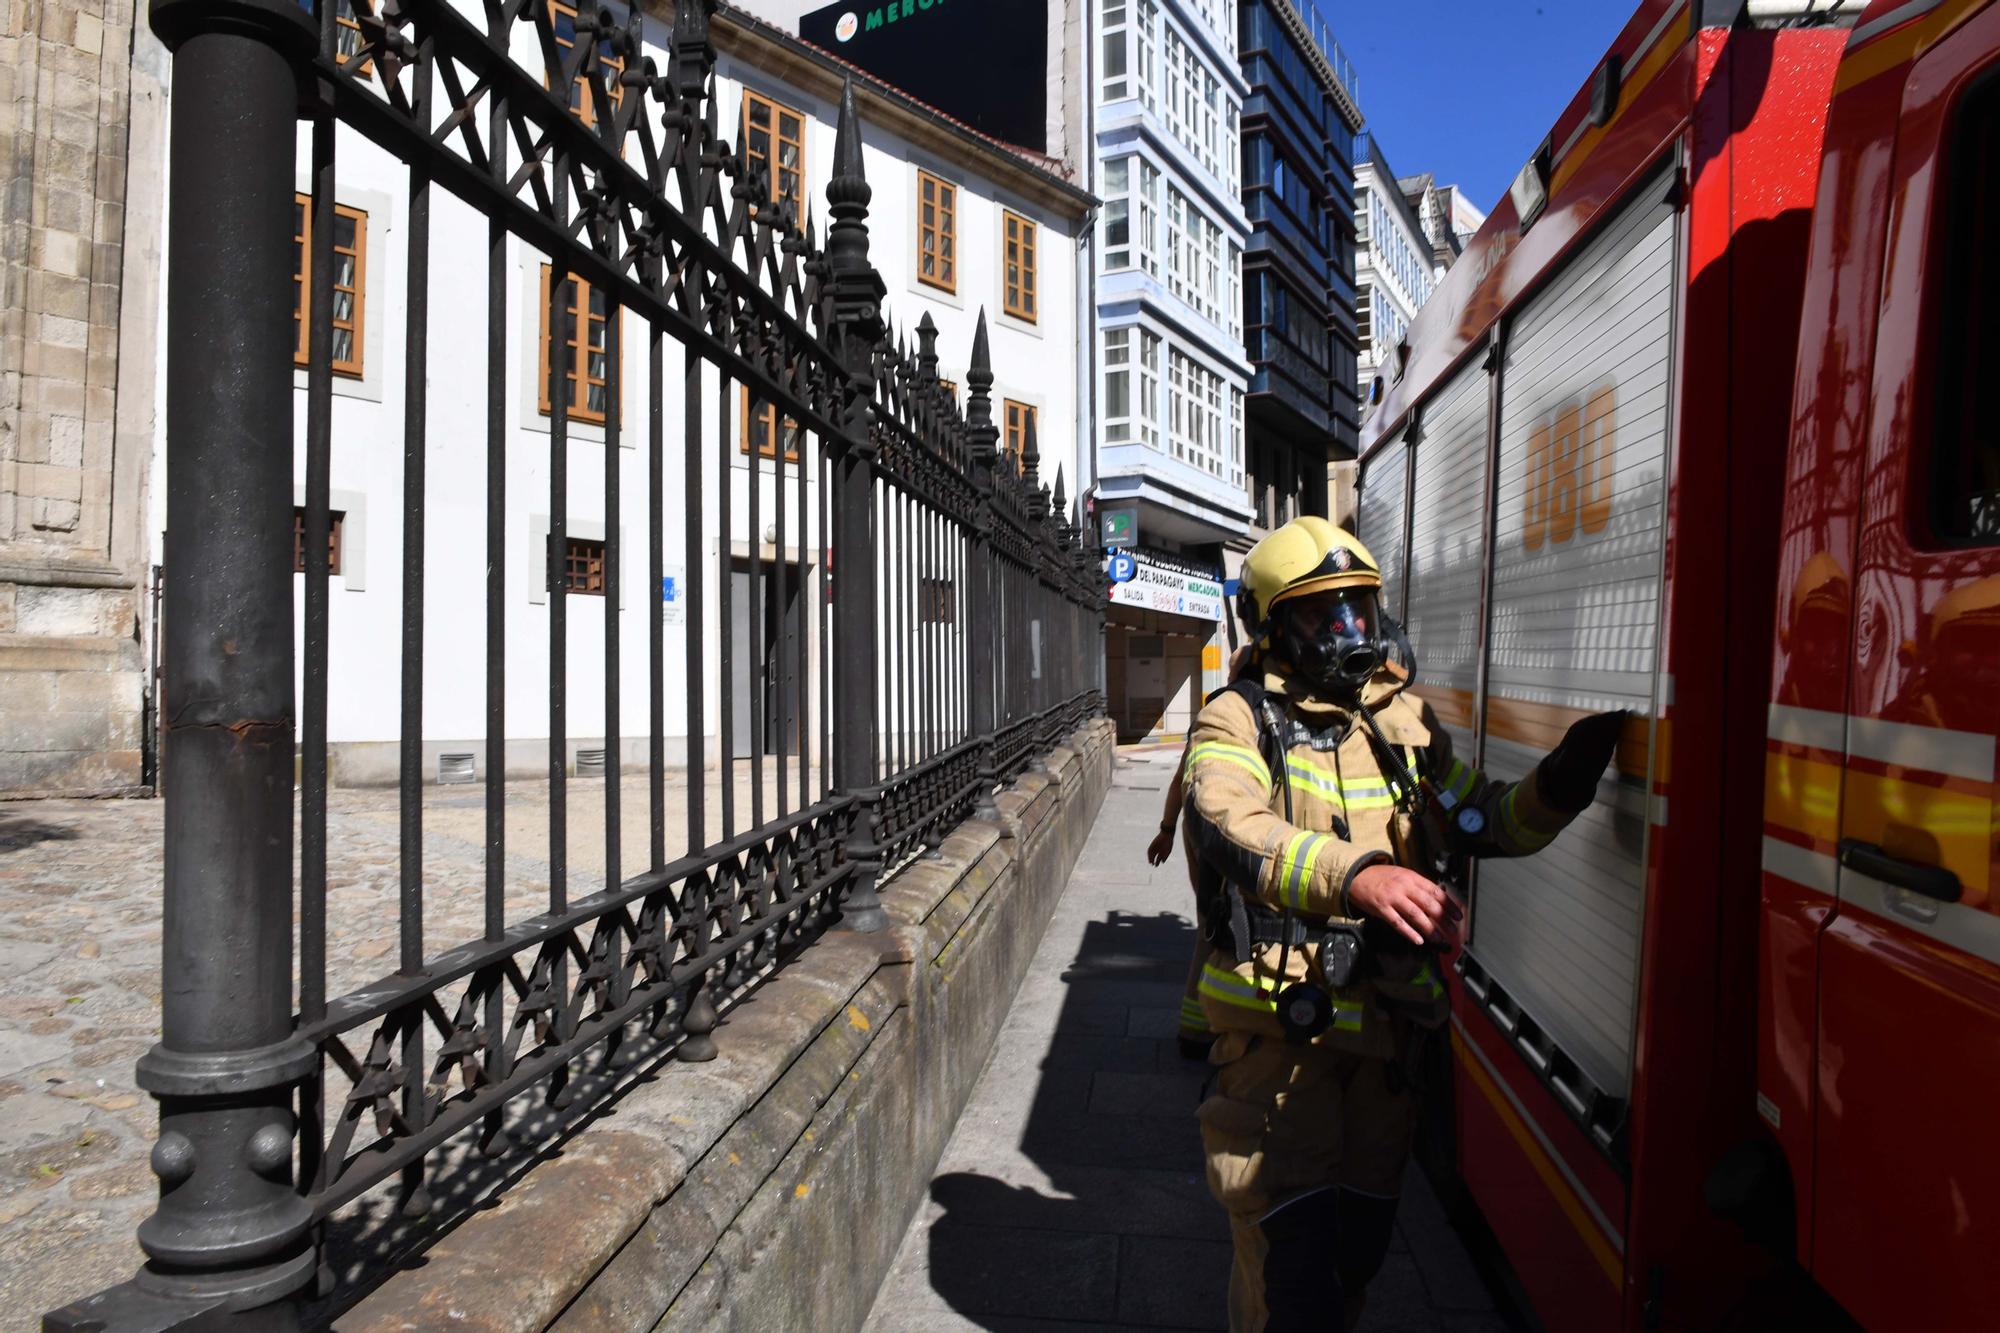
x=80, y=951
x=1071, y=1195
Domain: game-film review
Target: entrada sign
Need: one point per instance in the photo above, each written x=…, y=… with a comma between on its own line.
x=1157, y=588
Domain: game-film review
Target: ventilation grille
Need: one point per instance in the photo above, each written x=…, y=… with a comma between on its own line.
x=456, y=768
x=590, y=763
x=1146, y=645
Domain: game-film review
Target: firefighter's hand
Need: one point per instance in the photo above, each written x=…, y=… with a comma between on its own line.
x=1568, y=776
x=1161, y=847
x=1404, y=899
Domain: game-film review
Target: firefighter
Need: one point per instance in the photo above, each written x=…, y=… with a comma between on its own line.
x=1195, y=1037
x=1321, y=801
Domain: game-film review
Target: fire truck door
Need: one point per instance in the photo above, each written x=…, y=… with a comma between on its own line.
x=1906, y=1204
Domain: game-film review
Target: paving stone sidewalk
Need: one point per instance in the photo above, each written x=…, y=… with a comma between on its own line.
x=1071, y=1194
x=80, y=954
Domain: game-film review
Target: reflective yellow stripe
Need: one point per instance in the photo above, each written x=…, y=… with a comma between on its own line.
x=1296, y=867
x=1193, y=1019
x=1243, y=992
x=1458, y=779
x=1260, y=995
x=1519, y=834
x=1242, y=756
x=1360, y=794
x=1428, y=980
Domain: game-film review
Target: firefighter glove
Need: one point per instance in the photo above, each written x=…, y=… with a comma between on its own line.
x=1568, y=775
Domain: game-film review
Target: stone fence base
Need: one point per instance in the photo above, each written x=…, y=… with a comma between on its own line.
x=770, y=1189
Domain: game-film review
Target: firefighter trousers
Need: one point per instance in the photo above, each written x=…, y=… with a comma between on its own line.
x=1194, y=1029
x=1305, y=1149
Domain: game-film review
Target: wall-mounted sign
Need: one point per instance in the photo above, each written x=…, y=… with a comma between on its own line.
x=673, y=592
x=1157, y=588
x=1119, y=527
x=981, y=61
x=1123, y=568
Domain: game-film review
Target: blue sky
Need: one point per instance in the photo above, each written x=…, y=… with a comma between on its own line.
x=1467, y=88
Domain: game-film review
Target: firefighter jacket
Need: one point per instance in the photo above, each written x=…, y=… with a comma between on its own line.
x=1236, y=831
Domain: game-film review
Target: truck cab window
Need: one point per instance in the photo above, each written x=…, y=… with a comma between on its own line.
x=1965, y=454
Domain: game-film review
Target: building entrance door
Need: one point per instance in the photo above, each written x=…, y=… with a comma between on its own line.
x=765, y=665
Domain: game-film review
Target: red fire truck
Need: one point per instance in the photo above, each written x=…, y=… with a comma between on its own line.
x=1738, y=1032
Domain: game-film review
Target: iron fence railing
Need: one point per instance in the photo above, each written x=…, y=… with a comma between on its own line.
x=922, y=620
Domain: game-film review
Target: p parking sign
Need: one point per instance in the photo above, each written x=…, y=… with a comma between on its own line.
x=1120, y=527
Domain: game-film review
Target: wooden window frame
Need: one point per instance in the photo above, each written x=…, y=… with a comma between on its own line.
x=581, y=98
x=335, y=519
x=941, y=232
x=346, y=19
x=937, y=601
x=352, y=367
x=577, y=372
x=1014, y=417
x=583, y=568
x=1019, y=258
x=776, y=134
x=766, y=413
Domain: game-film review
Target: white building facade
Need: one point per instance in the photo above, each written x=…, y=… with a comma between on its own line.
x=1394, y=272
x=1170, y=463
x=1447, y=217
x=959, y=226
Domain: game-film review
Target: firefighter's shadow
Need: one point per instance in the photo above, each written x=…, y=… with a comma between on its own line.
x=1107, y=1221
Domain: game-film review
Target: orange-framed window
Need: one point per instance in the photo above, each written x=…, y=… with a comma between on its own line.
x=347, y=36
x=759, y=425
x=1019, y=266
x=775, y=135
x=937, y=232
x=1016, y=417
x=581, y=100
x=335, y=520
x=583, y=566
x=586, y=358
x=350, y=271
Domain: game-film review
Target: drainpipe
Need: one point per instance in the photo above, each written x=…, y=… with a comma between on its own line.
x=1087, y=269
x=1086, y=395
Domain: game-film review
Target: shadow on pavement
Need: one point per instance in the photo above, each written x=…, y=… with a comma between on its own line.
x=20, y=832
x=1128, y=1236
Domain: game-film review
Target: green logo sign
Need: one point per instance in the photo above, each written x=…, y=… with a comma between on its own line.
x=1120, y=527
x=868, y=20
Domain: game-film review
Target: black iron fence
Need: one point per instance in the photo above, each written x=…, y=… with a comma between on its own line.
x=938, y=612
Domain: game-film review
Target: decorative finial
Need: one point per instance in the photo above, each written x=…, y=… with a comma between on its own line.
x=850, y=180
x=927, y=357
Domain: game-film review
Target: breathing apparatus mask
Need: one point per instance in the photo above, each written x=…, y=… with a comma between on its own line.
x=1335, y=640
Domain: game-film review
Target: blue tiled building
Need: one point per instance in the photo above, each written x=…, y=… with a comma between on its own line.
x=1299, y=125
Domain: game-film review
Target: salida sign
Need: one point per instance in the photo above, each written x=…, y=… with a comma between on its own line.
x=979, y=61
x=1159, y=589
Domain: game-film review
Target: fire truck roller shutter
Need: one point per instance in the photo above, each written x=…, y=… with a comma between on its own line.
x=1448, y=549
x=1378, y=517
x=1576, y=604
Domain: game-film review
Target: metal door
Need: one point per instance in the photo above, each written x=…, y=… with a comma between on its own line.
x=1906, y=1204
x=1448, y=549
x=1379, y=516
x=1575, y=608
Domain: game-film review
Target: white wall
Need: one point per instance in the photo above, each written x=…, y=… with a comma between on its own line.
x=1032, y=363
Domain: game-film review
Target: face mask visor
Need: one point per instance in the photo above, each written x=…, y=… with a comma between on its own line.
x=1335, y=639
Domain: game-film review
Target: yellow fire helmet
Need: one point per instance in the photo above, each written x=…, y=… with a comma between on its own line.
x=1307, y=555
